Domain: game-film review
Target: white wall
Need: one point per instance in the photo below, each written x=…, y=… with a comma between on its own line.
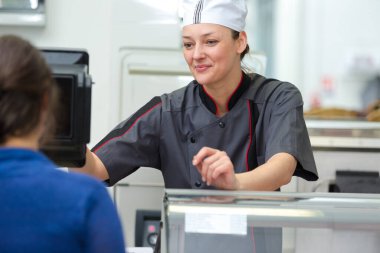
x=329, y=49
x=288, y=31
x=341, y=44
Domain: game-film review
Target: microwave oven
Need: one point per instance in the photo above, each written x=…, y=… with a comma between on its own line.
x=70, y=69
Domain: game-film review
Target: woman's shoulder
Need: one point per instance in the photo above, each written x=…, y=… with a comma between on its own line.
x=264, y=89
x=180, y=98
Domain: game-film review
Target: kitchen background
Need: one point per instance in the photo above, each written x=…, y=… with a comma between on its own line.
x=329, y=49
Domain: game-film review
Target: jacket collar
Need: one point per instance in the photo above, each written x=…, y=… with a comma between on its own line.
x=209, y=102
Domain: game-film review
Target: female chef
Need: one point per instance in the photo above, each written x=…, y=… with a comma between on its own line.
x=227, y=129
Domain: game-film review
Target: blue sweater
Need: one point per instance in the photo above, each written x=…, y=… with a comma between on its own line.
x=43, y=209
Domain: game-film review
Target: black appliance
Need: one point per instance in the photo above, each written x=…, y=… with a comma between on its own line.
x=147, y=227
x=350, y=181
x=70, y=70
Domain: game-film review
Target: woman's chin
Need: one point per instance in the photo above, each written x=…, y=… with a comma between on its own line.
x=202, y=79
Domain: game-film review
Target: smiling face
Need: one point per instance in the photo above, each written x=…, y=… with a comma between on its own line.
x=212, y=54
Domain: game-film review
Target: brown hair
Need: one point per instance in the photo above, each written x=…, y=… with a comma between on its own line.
x=235, y=36
x=25, y=79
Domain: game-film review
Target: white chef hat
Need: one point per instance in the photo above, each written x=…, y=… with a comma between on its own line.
x=229, y=13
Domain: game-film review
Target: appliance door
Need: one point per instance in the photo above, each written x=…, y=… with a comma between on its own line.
x=150, y=72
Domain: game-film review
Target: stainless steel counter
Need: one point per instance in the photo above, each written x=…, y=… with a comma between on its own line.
x=213, y=221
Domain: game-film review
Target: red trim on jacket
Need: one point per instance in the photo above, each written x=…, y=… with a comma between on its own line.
x=116, y=137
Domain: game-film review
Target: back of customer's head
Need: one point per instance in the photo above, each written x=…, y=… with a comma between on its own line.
x=26, y=88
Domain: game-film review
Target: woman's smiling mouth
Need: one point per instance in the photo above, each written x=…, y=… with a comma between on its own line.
x=202, y=67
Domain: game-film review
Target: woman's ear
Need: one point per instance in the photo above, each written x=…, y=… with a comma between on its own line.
x=45, y=101
x=41, y=129
x=242, y=42
x=44, y=108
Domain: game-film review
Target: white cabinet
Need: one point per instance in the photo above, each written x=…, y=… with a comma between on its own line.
x=150, y=72
x=146, y=23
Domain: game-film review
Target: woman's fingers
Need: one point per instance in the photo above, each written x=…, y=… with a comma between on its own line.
x=203, y=154
x=211, y=163
x=221, y=167
x=208, y=165
x=215, y=167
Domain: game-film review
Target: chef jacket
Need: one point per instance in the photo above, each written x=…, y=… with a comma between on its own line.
x=265, y=117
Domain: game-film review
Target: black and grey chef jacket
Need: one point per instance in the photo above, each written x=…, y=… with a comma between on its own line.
x=264, y=117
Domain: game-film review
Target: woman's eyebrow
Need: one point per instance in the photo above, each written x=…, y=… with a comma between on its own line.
x=203, y=35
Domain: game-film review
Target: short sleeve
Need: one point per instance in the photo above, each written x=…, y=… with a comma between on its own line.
x=133, y=143
x=287, y=131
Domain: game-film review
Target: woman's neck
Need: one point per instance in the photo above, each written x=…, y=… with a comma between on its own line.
x=221, y=92
x=29, y=141
x=22, y=142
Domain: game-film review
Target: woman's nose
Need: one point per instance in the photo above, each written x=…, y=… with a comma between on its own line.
x=198, y=52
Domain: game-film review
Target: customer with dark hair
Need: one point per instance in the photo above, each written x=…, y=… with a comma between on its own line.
x=42, y=208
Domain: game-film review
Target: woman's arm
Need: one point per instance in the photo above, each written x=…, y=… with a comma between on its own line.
x=270, y=176
x=94, y=166
x=217, y=169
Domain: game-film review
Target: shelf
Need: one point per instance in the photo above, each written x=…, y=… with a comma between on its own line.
x=22, y=19
x=344, y=134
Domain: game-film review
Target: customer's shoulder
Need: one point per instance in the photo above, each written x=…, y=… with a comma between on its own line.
x=76, y=180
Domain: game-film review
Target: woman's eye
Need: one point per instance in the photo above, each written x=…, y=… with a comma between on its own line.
x=211, y=42
x=187, y=45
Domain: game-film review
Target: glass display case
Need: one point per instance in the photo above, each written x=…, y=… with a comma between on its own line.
x=344, y=134
x=270, y=222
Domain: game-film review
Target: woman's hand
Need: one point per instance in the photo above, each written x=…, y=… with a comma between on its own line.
x=216, y=168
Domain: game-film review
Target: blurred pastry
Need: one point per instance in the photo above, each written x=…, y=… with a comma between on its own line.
x=373, y=111
x=331, y=113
